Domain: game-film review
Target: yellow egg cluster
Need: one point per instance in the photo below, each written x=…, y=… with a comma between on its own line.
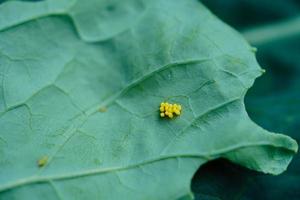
x=168, y=110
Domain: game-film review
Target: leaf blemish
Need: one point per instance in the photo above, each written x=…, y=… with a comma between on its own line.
x=168, y=110
x=97, y=161
x=42, y=161
x=102, y=109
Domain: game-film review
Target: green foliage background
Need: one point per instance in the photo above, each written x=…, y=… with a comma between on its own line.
x=273, y=102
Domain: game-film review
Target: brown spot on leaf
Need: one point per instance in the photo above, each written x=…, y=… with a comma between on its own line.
x=102, y=109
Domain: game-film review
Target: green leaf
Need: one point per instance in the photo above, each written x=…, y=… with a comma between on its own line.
x=276, y=110
x=273, y=102
x=81, y=84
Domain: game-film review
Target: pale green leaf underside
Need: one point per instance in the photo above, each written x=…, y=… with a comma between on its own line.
x=62, y=60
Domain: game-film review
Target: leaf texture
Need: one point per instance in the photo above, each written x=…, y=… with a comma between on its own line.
x=81, y=84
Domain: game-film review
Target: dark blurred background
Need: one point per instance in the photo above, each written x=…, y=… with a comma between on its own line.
x=273, y=26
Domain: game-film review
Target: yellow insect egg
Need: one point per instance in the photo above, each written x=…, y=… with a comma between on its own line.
x=162, y=109
x=177, y=112
x=42, y=161
x=169, y=110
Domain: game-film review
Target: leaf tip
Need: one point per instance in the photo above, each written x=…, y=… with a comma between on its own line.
x=253, y=49
x=263, y=71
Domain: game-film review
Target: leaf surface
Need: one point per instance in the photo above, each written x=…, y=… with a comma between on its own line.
x=81, y=85
x=273, y=102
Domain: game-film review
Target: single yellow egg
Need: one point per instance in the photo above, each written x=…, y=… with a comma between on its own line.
x=42, y=161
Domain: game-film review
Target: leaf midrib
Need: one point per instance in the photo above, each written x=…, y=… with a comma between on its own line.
x=110, y=100
x=207, y=157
